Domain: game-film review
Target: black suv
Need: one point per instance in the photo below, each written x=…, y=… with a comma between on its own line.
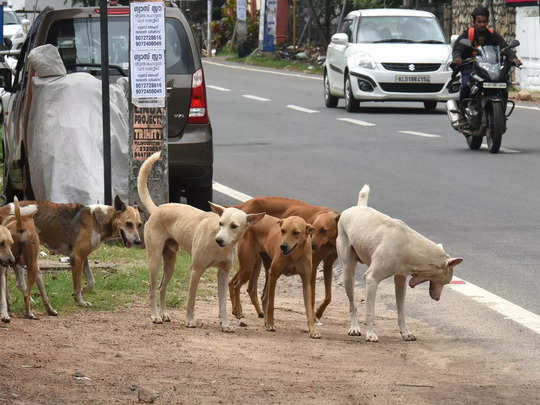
x=76, y=34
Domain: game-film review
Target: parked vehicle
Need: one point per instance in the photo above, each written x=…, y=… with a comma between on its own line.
x=76, y=34
x=388, y=54
x=484, y=112
x=15, y=29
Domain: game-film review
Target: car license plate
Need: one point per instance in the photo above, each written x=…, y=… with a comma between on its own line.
x=413, y=79
x=494, y=85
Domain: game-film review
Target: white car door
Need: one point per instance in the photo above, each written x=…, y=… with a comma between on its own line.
x=336, y=59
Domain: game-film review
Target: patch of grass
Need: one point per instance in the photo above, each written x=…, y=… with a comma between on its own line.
x=258, y=59
x=116, y=287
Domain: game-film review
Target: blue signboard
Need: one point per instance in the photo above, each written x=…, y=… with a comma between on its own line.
x=1, y=24
x=270, y=20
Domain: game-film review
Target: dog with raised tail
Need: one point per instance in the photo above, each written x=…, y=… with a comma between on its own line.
x=20, y=223
x=6, y=260
x=389, y=248
x=210, y=238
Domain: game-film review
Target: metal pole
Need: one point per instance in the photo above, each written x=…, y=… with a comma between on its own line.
x=209, y=32
x=294, y=24
x=105, y=101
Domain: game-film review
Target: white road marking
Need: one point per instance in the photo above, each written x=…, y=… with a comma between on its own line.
x=255, y=97
x=526, y=107
x=420, y=134
x=237, y=195
x=504, y=307
x=217, y=88
x=314, y=77
x=505, y=150
x=357, y=122
x=302, y=109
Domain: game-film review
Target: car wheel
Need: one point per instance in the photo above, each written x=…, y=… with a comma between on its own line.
x=430, y=105
x=351, y=104
x=330, y=101
x=198, y=197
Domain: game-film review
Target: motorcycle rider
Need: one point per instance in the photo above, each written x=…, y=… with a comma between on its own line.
x=479, y=35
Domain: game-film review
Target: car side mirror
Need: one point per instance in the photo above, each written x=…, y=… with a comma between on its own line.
x=466, y=43
x=340, y=38
x=453, y=39
x=6, y=79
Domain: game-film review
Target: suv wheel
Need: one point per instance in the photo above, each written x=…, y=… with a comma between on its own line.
x=351, y=104
x=330, y=101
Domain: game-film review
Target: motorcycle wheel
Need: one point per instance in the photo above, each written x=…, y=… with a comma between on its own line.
x=496, y=127
x=351, y=104
x=474, y=142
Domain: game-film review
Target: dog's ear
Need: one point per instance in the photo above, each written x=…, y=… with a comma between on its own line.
x=280, y=222
x=119, y=204
x=252, y=219
x=337, y=217
x=454, y=261
x=218, y=209
x=309, y=229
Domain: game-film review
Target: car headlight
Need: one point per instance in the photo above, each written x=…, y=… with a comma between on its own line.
x=446, y=65
x=363, y=60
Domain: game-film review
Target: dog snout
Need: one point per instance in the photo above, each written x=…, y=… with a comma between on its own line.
x=220, y=242
x=314, y=246
x=284, y=247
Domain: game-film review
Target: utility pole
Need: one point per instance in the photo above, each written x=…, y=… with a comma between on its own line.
x=105, y=101
x=209, y=32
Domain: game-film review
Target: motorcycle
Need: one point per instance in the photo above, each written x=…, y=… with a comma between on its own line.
x=483, y=113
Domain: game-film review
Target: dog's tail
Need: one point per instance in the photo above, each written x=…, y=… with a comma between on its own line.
x=17, y=213
x=142, y=182
x=363, y=196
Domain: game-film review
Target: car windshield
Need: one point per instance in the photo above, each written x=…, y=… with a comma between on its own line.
x=400, y=29
x=78, y=41
x=10, y=18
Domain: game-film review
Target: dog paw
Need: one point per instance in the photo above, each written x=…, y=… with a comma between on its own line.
x=5, y=319
x=371, y=337
x=227, y=328
x=242, y=324
x=30, y=315
x=157, y=319
x=408, y=337
x=354, y=332
x=165, y=317
x=270, y=328
x=314, y=335
x=52, y=312
x=83, y=303
x=194, y=324
x=238, y=314
x=260, y=315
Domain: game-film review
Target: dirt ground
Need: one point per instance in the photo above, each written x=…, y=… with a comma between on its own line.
x=119, y=357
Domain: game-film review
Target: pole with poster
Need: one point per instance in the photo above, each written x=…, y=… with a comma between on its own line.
x=148, y=106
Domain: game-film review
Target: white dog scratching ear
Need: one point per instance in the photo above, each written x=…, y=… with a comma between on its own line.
x=454, y=261
x=252, y=219
x=218, y=209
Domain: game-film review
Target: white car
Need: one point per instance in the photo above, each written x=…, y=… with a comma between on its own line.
x=388, y=54
x=15, y=29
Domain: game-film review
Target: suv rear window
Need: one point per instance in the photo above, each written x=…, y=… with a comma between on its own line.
x=79, y=42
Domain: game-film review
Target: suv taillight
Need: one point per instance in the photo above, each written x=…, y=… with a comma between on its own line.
x=198, y=112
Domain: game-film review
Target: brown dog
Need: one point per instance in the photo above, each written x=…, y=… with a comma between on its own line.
x=285, y=246
x=6, y=260
x=76, y=230
x=324, y=222
x=25, y=250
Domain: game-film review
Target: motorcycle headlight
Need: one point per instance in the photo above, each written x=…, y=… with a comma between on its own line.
x=363, y=60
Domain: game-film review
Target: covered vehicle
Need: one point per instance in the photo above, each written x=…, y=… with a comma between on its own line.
x=388, y=54
x=75, y=33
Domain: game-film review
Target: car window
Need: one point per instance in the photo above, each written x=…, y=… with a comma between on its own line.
x=10, y=18
x=78, y=41
x=399, y=29
x=346, y=28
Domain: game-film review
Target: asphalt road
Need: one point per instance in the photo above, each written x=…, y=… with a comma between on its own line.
x=482, y=207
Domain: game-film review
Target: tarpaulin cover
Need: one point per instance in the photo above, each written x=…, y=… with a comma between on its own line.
x=64, y=133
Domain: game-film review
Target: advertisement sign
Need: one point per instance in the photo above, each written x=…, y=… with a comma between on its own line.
x=148, y=54
x=241, y=10
x=521, y=3
x=270, y=22
x=2, y=24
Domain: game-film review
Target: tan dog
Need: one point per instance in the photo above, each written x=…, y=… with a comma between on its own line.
x=25, y=250
x=76, y=230
x=285, y=246
x=389, y=248
x=6, y=260
x=210, y=239
x=324, y=222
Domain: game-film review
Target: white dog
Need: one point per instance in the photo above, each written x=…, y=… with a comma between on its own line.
x=210, y=239
x=388, y=247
